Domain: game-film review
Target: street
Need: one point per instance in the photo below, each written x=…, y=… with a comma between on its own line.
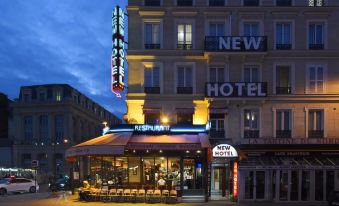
x=66, y=199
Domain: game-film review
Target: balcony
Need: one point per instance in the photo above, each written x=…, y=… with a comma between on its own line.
x=152, y=90
x=316, y=46
x=184, y=90
x=184, y=2
x=284, y=2
x=184, y=46
x=152, y=46
x=152, y=2
x=236, y=43
x=315, y=133
x=251, y=2
x=216, y=2
x=251, y=133
x=283, y=134
x=217, y=134
x=283, y=90
x=283, y=46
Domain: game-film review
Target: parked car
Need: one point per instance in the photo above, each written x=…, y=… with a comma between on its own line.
x=60, y=184
x=333, y=198
x=17, y=185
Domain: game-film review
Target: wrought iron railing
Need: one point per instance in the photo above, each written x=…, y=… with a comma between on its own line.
x=316, y=133
x=283, y=46
x=251, y=133
x=283, y=133
x=216, y=3
x=184, y=46
x=152, y=90
x=316, y=46
x=184, y=2
x=152, y=46
x=184, y=90
x=152, y=2
x=283, y=90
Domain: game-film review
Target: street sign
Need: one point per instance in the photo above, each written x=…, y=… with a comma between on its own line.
x=35, y=163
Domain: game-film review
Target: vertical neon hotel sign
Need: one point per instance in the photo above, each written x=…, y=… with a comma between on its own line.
x=118, y=53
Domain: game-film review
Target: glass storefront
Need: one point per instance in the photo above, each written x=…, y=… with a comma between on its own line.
x=162, y=172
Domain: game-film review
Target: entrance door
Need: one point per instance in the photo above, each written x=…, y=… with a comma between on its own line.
x=218, y=187
x=255, y=185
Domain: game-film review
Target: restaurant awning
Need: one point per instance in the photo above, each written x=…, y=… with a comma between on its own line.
x=109, y=144
x=117, y=143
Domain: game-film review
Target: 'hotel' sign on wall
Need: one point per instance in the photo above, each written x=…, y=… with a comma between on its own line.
x=236, y=89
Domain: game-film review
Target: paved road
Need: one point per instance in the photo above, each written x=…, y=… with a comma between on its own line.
x=63, y=199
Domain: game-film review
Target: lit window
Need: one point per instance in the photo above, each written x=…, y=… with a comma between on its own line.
x=316, y=79
x=251, y=123
x=316, y=2
x=184, y=36
x=58, y=96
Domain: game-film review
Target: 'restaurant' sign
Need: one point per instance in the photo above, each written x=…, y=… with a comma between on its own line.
x=236, y=43
x=236, y=89
x=118, y=53
x=224, y=150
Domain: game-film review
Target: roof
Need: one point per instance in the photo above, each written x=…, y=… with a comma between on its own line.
x=117, y=143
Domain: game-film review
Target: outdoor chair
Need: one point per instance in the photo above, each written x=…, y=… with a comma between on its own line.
x=134, y=193
x=112, y=195
x=103, y=195
x=127, y=195
x=120, y=193
x=141, y=195
x=156, y=198
x=149, y=194
x=172, y=197
x=94, y=194
x=164, y=195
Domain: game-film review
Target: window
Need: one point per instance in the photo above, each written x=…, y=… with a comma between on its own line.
x=316, y=79
x=58, y=96
x=315, y=123
x=283, y=121
x=217, y=126
x=152, y=82
x=43, y=163
x=316, y=2
x=184, y=118
x=185, y=77
x=251, y=123
x=283, y=36
x=27, y=97
x=216, y=3
x=217, y=74
x=184, y=36
x=251, y=29
x=26, y=160
x=251, y=74
x=216, y=29
x=184, y=2
x=251, y=2
x=174, y=170
x=161, y=172
x=284, y=2
x=316, y=36
x=59, y=128
x=28, y=129
x=43, y=127
x=152, y=118
x=152, y=2
x=42, y=96
x=283, y=80
x=152, y=36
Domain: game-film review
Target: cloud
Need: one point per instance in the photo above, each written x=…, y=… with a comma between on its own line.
x=60, y=41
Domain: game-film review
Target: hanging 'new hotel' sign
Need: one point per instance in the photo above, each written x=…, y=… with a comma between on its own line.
x=118, y=53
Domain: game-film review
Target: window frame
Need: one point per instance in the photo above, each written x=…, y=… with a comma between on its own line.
x=176, y=3
x=292, y=33
x=308, y=81
x=145, y=65
x=258, y=109
x=324, y=33
x=276, y=4
x=176, y=24
x=152, y=21
x=251, y=66
x=243, y=3
x=208, y=3
x=144, y=3
x=176, y=80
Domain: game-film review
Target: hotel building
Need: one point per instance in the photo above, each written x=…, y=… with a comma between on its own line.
x=263, y=73
x=48, y=119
